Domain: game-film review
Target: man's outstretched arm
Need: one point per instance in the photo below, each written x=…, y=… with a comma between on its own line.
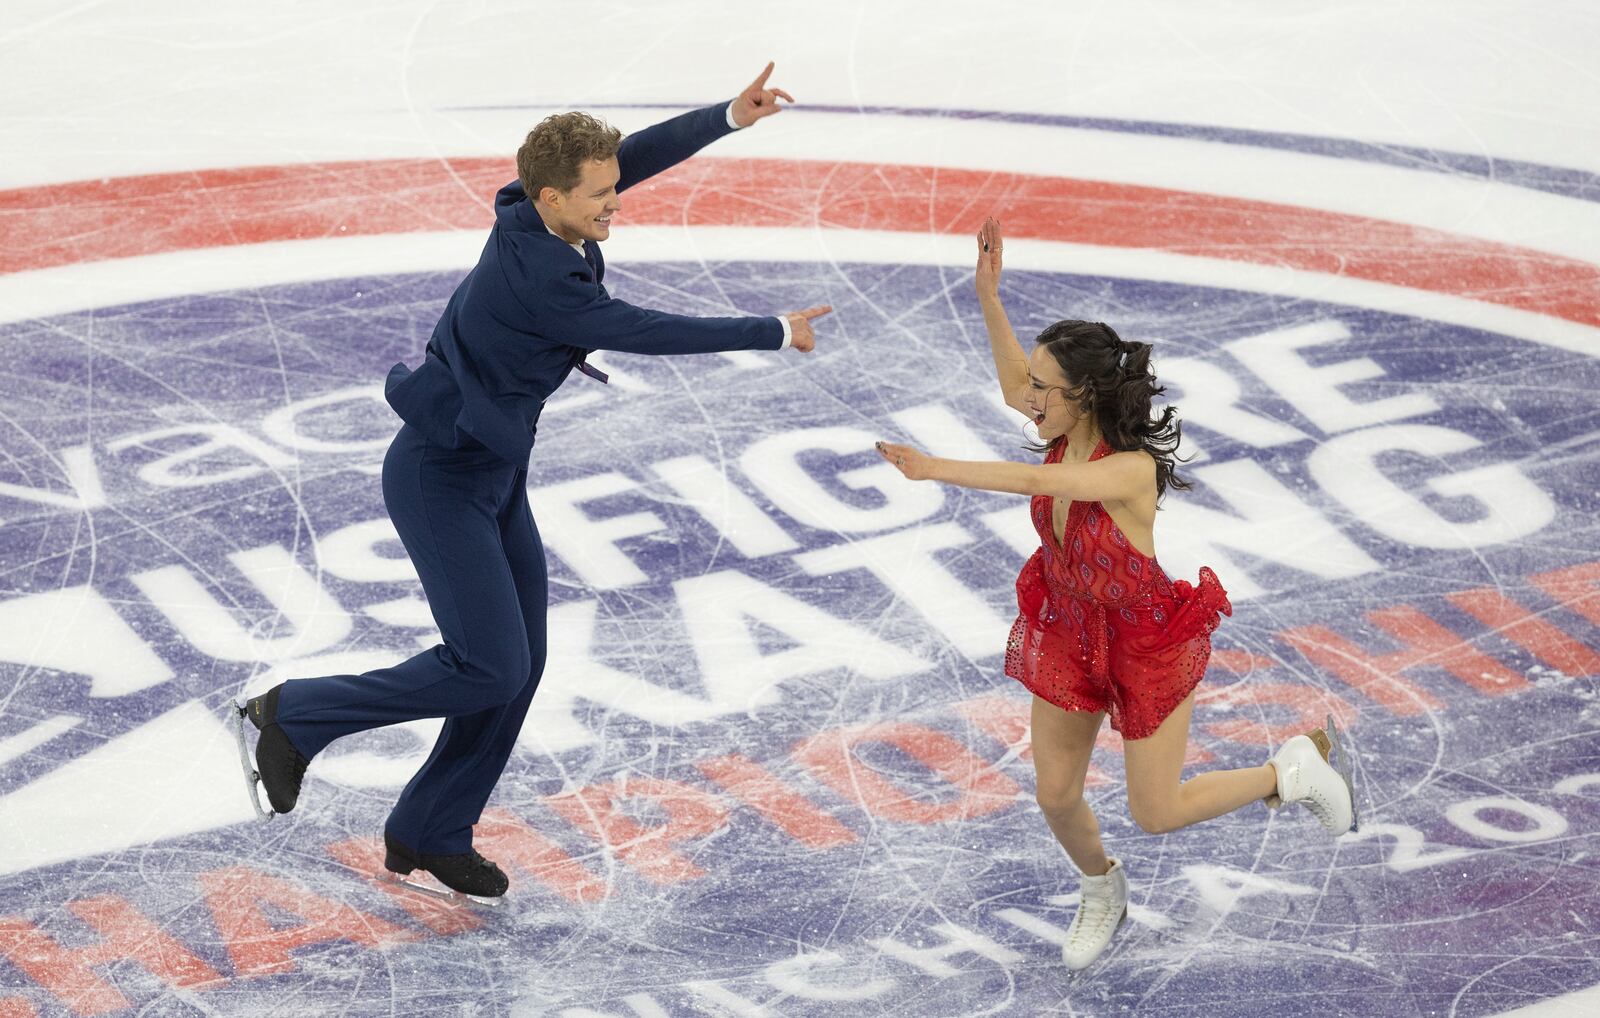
x=670, y=142
x=581, y=317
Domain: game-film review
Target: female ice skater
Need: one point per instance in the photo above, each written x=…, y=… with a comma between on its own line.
x=1101, y=628
x=455, y=479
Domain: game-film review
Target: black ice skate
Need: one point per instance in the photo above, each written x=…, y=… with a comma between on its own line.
x=466, y=877
x=278, y=765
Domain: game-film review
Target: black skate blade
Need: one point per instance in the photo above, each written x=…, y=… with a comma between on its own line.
x=425, y=884
x=1346, y=771
x=251, y=776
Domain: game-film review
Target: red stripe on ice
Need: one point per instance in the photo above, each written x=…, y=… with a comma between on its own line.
x=62, y=224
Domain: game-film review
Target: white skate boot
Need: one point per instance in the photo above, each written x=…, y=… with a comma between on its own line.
x=1306, y=776
x=1100, y=911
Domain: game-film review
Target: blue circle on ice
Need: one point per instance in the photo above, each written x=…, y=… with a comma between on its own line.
x=1402, y=509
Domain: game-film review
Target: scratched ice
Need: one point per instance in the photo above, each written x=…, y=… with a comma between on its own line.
x=680, y=646
x=774, y=768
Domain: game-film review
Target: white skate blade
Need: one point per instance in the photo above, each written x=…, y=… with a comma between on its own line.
x=251, y=777
x=1346, y=771
x=424, y=883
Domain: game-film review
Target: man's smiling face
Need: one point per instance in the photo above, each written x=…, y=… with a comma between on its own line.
x=584, y=212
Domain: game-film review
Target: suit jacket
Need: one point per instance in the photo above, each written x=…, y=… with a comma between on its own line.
x=532, y=308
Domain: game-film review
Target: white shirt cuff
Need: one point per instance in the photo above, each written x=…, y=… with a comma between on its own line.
x=788, y=332
x=729, y=112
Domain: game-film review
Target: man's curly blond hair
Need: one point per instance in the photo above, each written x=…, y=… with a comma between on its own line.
x=554, y=153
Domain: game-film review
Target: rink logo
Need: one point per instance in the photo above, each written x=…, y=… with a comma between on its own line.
x=191, y=507
x=247, y=906
x=253, y=942
x=781, y=505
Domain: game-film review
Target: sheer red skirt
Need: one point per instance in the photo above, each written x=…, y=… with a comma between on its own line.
x=1100, y=626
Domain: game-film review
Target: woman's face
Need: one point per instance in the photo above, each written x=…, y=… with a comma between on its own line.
x=1054, y=410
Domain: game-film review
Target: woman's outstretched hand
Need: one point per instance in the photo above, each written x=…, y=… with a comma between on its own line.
x=990, y=248
x=915, y=465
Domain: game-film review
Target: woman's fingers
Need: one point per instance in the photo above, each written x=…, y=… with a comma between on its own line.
x=896, y=454
x=989, y=236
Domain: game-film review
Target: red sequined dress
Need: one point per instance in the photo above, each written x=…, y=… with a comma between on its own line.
x=1101, y=627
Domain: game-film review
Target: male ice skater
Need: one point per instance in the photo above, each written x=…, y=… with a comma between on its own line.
x=455, y=477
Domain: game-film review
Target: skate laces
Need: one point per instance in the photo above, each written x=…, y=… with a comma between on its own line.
x=1087, y=927
x=478, y=864
x=1319, y=807
x=1311, y=798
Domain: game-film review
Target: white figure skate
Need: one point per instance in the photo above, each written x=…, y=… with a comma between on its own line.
x=1315, y=771
x=1102, y=908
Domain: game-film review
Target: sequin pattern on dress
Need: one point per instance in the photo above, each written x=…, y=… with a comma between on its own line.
x=1101, y=627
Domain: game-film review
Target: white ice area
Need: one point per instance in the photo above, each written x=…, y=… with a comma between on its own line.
x=122, y=794
x=113, y=88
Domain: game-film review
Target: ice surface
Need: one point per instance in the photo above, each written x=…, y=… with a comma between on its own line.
x=774, y=767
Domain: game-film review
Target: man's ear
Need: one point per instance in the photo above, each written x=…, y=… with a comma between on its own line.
x=550, y=196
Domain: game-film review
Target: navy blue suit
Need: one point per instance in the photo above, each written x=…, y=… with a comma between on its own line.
x=455, y=485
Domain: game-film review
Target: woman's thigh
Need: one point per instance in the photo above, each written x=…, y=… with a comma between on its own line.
x=1155, y=763
x=1062, y=742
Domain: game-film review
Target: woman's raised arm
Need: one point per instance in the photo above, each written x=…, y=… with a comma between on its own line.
x=1010, y=363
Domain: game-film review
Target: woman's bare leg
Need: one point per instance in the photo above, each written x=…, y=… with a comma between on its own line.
x=1160, y=802
x=1062, y=742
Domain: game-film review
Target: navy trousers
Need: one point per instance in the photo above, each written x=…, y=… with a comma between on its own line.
x=464, y=519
